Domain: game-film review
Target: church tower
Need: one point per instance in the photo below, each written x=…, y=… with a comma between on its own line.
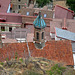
x=39, y=32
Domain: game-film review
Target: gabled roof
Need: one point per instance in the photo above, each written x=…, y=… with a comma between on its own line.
x=64, y=34
x=39, y=22
x=55, y=50
x=4, y=4
x=65, y=8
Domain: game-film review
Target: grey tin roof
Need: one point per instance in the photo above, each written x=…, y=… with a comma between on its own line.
x=65, y=34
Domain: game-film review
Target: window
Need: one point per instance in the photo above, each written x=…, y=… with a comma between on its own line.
x=10, y=29
x=37, y=36
x=19, y=0
x=10, y=9
x=45, y=15
x=13, y=11
x=24, y=25
x=2, y=28
x=42, y=35
x=27, y=13
x=0, y=5
x=19, y=6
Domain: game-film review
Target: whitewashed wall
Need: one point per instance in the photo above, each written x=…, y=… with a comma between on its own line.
x=52, y=35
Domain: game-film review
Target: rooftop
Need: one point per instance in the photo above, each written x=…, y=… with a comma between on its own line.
x=68, y=24
x=4, y=4
x=55, y=50
x=64, y=34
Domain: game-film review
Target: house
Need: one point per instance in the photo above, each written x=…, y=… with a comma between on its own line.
x=9, y=21
x=16, y=5
x=4, y=6
x=66, y=24
x=61, y=13
x=31, y=11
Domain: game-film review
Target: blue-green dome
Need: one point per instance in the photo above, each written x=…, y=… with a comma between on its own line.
x=39, y=22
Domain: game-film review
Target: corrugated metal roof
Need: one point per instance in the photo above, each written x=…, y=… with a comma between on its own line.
x=65, y=34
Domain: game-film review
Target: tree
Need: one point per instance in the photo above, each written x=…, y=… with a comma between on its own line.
x=42, y=3
x=71, y=3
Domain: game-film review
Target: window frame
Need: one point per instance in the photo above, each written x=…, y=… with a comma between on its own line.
x=27, y=13
x=45, y=15
x=37, y=35
x=42, y=35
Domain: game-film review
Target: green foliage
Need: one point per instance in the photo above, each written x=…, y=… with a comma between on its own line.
x=21, y=59
x=71, y=3
x=42, y=3
x=56, y=70
x=7, y=59
x=2, y=29
x=16, y=55
x=1, y=63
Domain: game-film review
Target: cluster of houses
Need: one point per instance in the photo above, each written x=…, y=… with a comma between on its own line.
x=40, y=32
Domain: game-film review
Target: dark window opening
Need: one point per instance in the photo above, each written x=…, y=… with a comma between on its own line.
x=0, y=5
x=19, y=0
x=2, y=28
x=13, y=11
x=42, y=35
x=24, y=25
x=10, y=9
x=19, y=6
x=10, y=29
x=4, y=20
x=37, y=36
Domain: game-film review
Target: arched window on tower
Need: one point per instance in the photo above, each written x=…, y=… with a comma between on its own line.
x=42, y=35
x=37, y=36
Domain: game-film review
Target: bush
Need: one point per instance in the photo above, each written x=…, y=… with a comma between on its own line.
x=56, y=70
x=1, y=63
x=16, y=55
x=21, y=59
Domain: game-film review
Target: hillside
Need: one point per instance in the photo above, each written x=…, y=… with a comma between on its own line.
x=34, y=66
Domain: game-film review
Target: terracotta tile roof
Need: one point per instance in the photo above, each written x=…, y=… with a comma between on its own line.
x=4, y=6
x=68, y=24
x=11, y=17
x=49, y=13
x=54, y=50
x=31, y=6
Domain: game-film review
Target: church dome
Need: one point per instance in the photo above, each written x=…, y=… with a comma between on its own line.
x=39, y=22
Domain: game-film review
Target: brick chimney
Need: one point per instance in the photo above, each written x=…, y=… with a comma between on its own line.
x=64, y=24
